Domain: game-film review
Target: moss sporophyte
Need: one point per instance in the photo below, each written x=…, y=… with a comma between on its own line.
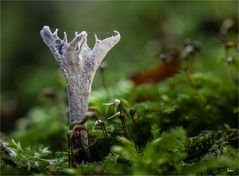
x=79, y=63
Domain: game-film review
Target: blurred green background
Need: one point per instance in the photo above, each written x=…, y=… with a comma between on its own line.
x=146, y=29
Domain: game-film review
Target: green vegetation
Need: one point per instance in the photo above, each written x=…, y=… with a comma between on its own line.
x=181, y=130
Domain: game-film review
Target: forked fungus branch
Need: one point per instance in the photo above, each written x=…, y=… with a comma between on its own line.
x=79, y=63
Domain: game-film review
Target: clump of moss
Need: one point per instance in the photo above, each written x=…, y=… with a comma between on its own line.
x=177, y=128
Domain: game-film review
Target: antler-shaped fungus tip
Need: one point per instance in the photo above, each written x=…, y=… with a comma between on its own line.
x=79, y=70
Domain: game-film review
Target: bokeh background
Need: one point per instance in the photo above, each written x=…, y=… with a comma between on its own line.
x=27, y=66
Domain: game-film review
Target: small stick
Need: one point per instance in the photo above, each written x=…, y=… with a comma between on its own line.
x=132, y=113
x=122, y=118
x=101, y=124
x=187, y=72
x=105, y=133
x=120, y=115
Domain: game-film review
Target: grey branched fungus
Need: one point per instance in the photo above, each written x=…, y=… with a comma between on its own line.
x=79, y=64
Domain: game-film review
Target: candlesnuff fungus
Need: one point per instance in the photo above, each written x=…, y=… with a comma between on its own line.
x=79, y=64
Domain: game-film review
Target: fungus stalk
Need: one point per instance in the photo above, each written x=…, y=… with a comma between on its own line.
x=79, y=64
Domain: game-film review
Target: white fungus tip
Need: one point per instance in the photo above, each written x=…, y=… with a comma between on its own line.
x=96, y=38
x=65, y=37
x=83, y=33
x=56, y=31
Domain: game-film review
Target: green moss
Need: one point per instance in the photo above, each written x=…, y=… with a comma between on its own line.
x=180, y=130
